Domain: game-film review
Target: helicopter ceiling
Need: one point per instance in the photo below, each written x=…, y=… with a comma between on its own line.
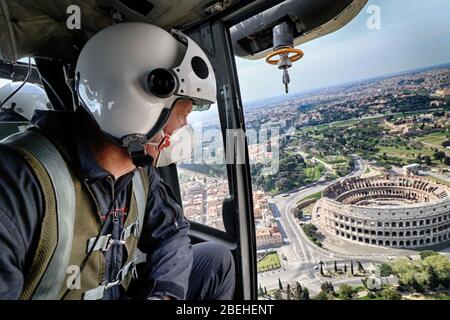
x=38, y=28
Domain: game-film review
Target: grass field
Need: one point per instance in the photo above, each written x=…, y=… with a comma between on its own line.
x=315, y=196
x=368, y=170
x=335, y=159
x=435, y=138
x=345, y=123
x=374, y=298
x=442, y=297
x=307, y=211
x=403, y=152
x=314, y=173
x=270, y=262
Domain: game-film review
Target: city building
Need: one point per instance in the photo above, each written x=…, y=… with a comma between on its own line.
x=268, y=237
x=444, y=93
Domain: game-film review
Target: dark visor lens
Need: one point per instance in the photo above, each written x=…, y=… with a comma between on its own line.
x=162, y=83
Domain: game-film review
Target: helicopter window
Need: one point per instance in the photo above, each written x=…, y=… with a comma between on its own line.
x=369, y=115
x=203, y=178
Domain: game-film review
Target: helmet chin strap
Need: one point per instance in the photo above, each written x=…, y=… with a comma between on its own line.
x=136, y=149
x=139, y=155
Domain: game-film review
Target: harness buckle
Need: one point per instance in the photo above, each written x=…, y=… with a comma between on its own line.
x=104, y=243
x=131, y=230
x=99, y=292
x=114, y=242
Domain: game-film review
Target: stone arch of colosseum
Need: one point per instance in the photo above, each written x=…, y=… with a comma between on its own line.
x=391, y=211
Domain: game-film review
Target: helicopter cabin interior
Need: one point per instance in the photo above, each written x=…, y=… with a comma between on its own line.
x=250, y=29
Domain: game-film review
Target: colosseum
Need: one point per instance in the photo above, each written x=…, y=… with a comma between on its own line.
x=392, y=211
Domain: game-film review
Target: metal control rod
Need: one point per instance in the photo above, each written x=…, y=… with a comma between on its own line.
x=283, y=45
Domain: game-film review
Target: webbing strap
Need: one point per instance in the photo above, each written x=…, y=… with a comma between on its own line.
x=99, y=292
x=105, y=242
x=139, y=193
x=49, y=156
x=131, y=230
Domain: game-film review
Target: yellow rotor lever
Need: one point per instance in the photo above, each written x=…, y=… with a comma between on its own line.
x=287, y=56
x=298, y=54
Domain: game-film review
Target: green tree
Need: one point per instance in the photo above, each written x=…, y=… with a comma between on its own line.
x=277, y=295
x=298, y=213
x=305, y=294
x=447, y=161
x=335, y=267
x=371, y=295
x=327, y=287
x=431, y=272
x=298, y=291
x=391, y=294
x=345, y=292
x=321, y=296
x=288, y=292
x=433, y=278
x=386, y=270
x=417, y=285
x=439, y=155
x=441, y=265
x=427, y=253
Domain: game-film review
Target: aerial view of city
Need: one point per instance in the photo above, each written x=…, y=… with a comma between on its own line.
x=357, y=208
x=226, y=156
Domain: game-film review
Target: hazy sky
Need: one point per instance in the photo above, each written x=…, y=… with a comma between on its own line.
x=414, y=33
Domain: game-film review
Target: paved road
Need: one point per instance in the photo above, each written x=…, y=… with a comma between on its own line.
x=297, y=238
x=437, y=175
x=327, y=166
x=302, y=255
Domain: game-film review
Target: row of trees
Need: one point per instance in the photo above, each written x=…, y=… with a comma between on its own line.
x=442, y=157
x=311, y=232
x=429, y=273
x=347, y=292
x=292, y=173
x=289, y=293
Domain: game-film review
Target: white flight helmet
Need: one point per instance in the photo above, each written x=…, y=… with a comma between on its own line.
x=29, y=98
x=130, y=75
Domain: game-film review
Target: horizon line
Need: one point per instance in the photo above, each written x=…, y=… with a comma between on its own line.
x=340, y=84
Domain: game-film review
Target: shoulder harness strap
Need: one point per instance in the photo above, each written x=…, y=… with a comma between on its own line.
x=34, y=142
x=140, y=186
x=140, y=194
